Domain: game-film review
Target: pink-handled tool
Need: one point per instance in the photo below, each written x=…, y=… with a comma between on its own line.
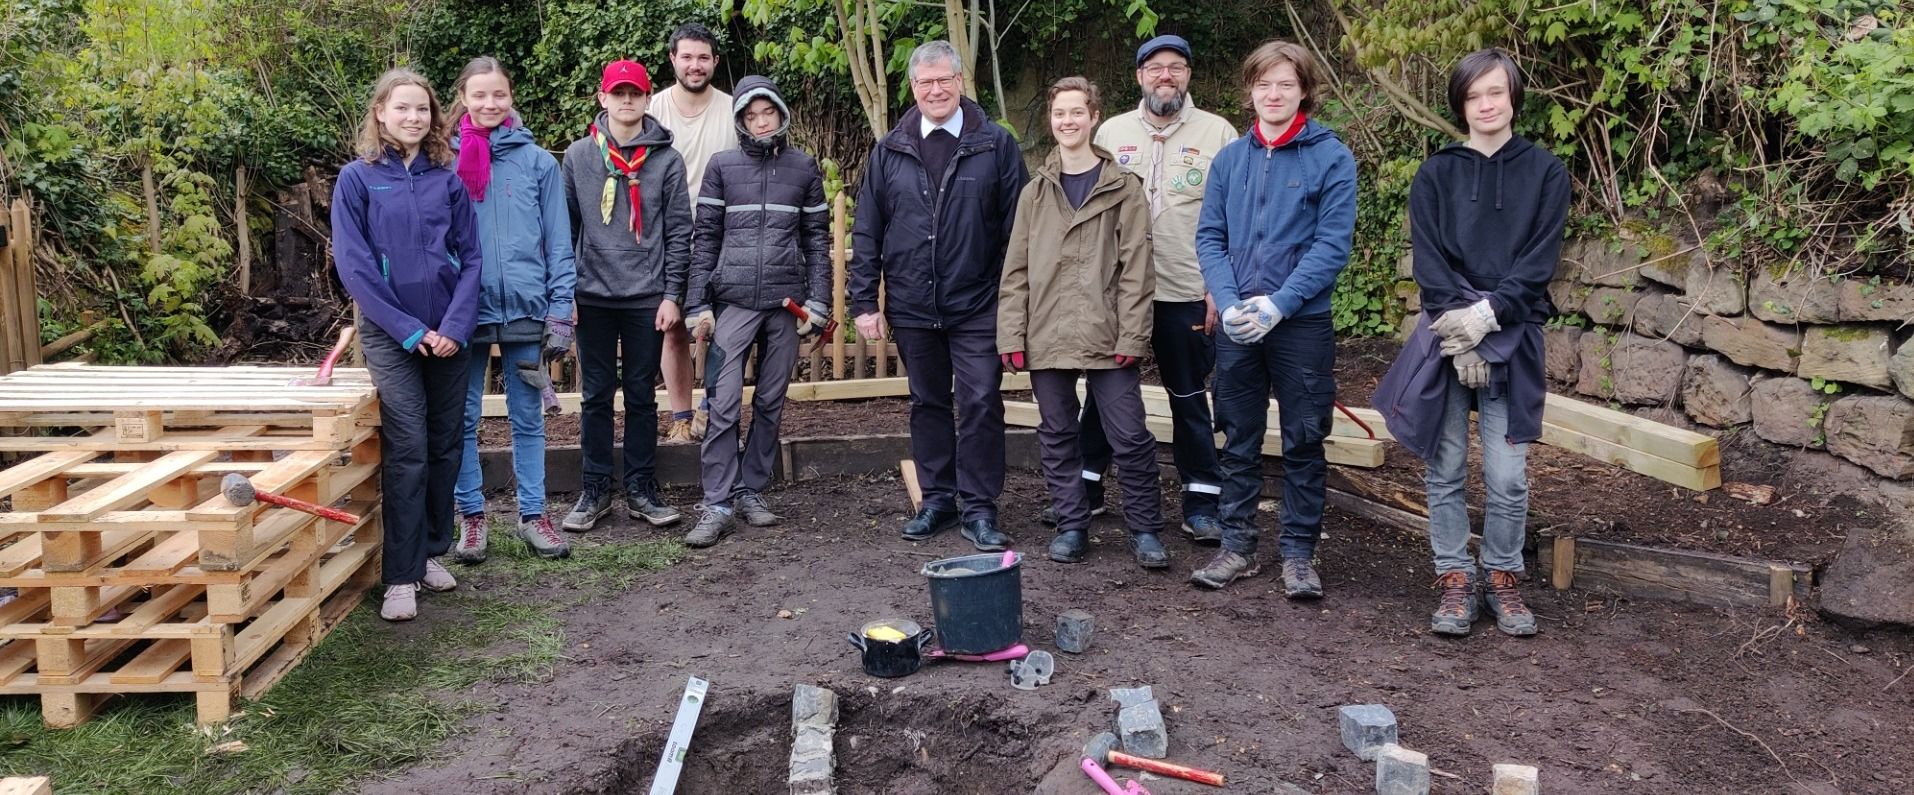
x=1010, y=556
x=1015, y=652
x=1107, y=784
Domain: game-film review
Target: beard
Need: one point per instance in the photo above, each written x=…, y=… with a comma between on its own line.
x=701, y=84
x=1159, y=105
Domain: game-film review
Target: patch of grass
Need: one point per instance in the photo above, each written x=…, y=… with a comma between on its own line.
x=533, y=632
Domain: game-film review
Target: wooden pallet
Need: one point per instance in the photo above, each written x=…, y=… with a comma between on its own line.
x=75, y=511
x=168, y=643
x=122, y=409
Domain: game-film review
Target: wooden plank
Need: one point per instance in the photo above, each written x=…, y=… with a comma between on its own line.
x=1667, y=574
x=1562, y=575
x=1699, y=479
x=175, y=442
x=1156, y=401
x=127, y=490
x=153, y=665
x=36, y=785
x=840, y=211
x=911, y=486
x=34, y=470
x=1627, y=430
x=1345, y=451
x=1376, y=512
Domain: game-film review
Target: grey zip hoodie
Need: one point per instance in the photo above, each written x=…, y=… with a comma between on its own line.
x=616, y=268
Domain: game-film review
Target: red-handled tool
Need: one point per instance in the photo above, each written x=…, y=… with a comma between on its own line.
x=324, y=376
x=240, y=491
x=830, y=324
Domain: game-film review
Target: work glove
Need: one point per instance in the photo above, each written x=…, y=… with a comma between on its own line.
x=702, y=323
x=1470, y=367
x=1013, y=361
x=1463, y=329
x=816, y=315
x=558, y=337
x=1125, y=361
x=1250, y=320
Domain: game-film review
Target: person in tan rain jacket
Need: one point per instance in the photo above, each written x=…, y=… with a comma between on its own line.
x=1076, y=298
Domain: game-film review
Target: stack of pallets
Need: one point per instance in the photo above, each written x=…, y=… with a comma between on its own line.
x=133, y=572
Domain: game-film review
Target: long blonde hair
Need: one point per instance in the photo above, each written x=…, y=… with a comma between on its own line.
x=482, y=65
x=372, y=140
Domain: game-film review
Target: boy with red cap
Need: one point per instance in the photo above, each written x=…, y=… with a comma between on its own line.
x=631, y=214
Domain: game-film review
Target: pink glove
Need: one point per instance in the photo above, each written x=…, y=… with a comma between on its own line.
x=1125, y=361
x=1013, y=361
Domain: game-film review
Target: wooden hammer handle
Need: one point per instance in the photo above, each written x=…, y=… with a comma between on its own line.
x=320, y=511
x=1162, y=768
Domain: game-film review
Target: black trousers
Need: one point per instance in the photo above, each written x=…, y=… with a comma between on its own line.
x=1117, y=392
x=421, y=434
x=619, y=348
x=1185, y=358
x=957, y=414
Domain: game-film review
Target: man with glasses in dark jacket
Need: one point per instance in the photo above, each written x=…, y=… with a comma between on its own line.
x=933, y=219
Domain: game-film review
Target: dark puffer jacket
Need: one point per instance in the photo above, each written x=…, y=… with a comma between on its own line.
x=763, y=230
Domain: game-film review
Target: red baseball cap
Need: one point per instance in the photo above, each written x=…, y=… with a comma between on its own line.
x=618, y=73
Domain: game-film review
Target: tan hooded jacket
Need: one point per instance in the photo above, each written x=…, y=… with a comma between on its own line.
x=1078, y=283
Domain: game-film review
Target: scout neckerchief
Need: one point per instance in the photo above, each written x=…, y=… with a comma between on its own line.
x=1295, y=126
x=1153, y=187
x=615, y=164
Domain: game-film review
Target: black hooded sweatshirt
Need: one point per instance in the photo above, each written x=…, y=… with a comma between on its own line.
x=1488, y=224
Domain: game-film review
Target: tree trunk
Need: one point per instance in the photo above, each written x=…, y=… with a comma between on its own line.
x=152, y=205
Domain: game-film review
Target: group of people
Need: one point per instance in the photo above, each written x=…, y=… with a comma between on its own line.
x=1139, y=237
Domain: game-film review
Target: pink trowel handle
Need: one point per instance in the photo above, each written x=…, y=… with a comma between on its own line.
x=1010, y=556
x=1013, y=653
x=1107, y=784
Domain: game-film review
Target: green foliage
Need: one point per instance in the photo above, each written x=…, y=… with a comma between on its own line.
x=1363, y=303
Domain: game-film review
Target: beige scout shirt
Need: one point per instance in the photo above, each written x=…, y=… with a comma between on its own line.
x=698, y=137
x=1174, y=162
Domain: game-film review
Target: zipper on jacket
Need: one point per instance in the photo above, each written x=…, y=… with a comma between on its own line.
x=764, y=217
x=936, y=218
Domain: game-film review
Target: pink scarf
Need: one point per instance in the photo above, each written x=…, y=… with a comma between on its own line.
x=475, y=155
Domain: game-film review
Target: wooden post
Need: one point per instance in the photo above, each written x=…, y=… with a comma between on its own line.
x=243, y=235
x=12, y=348
x=916, y=491
x=26, y=287
x=839, y=277
x=1780, y=585
x=1563, y=564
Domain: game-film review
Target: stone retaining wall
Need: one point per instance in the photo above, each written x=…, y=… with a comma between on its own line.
x=1731, y=349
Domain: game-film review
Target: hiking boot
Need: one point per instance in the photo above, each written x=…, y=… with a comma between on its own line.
x=1049, y=516
x=984, y=535
x=756, y=513
x=1069, y=545
x=470, y=548
x=679, y=433
x=1149, y=550
x=401, y=602
x=929, y=522
x=1300, y=580
x=640, y=505
x=1456, y=611
x=713, y=525
x=1226, y=567
x=700, y=422
x=592, y=506
x=543, y=538
x=1205, y=530
x=1504, y=599
x=436, y=577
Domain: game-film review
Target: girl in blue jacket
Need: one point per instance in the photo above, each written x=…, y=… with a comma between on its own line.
x=406, y=243
x=525, y=295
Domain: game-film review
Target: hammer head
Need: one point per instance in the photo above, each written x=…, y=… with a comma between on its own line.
x=238, y=489
x=1099, y=747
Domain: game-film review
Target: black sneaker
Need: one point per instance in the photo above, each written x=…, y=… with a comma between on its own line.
x=929, y=522
x=1068, y=546
x=1206, y=530
x=1300, y=580
x=984, y=535
x=1149, y=550
x=646, y=505
x=592, y=505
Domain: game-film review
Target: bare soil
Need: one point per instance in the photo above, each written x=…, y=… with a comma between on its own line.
x=1613, y=696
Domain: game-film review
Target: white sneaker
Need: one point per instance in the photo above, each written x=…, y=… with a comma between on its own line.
x=401, y=602
x=436, y=577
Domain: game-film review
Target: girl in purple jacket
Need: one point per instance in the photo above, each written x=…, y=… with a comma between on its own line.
x=405, y=241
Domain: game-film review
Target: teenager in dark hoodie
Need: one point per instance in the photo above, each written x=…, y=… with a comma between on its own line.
x=405, y=241
x=1486, y=219
x=630, y=210
x=763, y=237
x=1274, y=232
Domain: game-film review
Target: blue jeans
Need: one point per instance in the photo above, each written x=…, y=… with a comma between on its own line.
x=1296, y=362
x=525, y=408
x=1504, y=473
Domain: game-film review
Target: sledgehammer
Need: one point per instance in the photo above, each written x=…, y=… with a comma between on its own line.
x=1103, y=749
x=239, y=491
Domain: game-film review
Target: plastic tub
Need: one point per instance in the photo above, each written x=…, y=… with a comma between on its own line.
x=977, y=602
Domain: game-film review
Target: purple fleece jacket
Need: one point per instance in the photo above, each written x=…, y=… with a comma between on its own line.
x=405, y=241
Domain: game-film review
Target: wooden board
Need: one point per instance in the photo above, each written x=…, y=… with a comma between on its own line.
x=18, y=785
x=1672, y=574
x=1341, y=450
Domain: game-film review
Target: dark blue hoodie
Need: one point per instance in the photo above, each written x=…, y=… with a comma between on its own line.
x=405, y=241
x=1491, y=224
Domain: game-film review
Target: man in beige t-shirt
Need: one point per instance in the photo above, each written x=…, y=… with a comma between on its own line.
x=1168, y=142
x=699, y=118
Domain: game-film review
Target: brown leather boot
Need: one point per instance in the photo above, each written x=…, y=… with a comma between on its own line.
x=1456, y=612
x=1504, y=600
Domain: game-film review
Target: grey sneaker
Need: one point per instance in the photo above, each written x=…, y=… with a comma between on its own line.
x=1300, y=580
x=1504, y=599
x=1226, y=567
x=544, y=539
x=436, y=577
x=1456, y=612
x=649, y=508
x=470, y=548
x=756, y=513
x=592, y=506
x=714, y=524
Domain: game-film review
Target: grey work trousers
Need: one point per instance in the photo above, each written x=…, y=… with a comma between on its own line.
x=727, y=471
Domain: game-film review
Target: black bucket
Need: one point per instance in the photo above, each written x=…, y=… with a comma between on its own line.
x=977, y=601
x=892, y=658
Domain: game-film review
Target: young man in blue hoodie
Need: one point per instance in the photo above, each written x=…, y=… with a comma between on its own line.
x=1486, y=219
x=1274, y=233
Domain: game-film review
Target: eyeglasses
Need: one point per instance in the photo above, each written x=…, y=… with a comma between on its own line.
x=928, y=83
x=1173, y=70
